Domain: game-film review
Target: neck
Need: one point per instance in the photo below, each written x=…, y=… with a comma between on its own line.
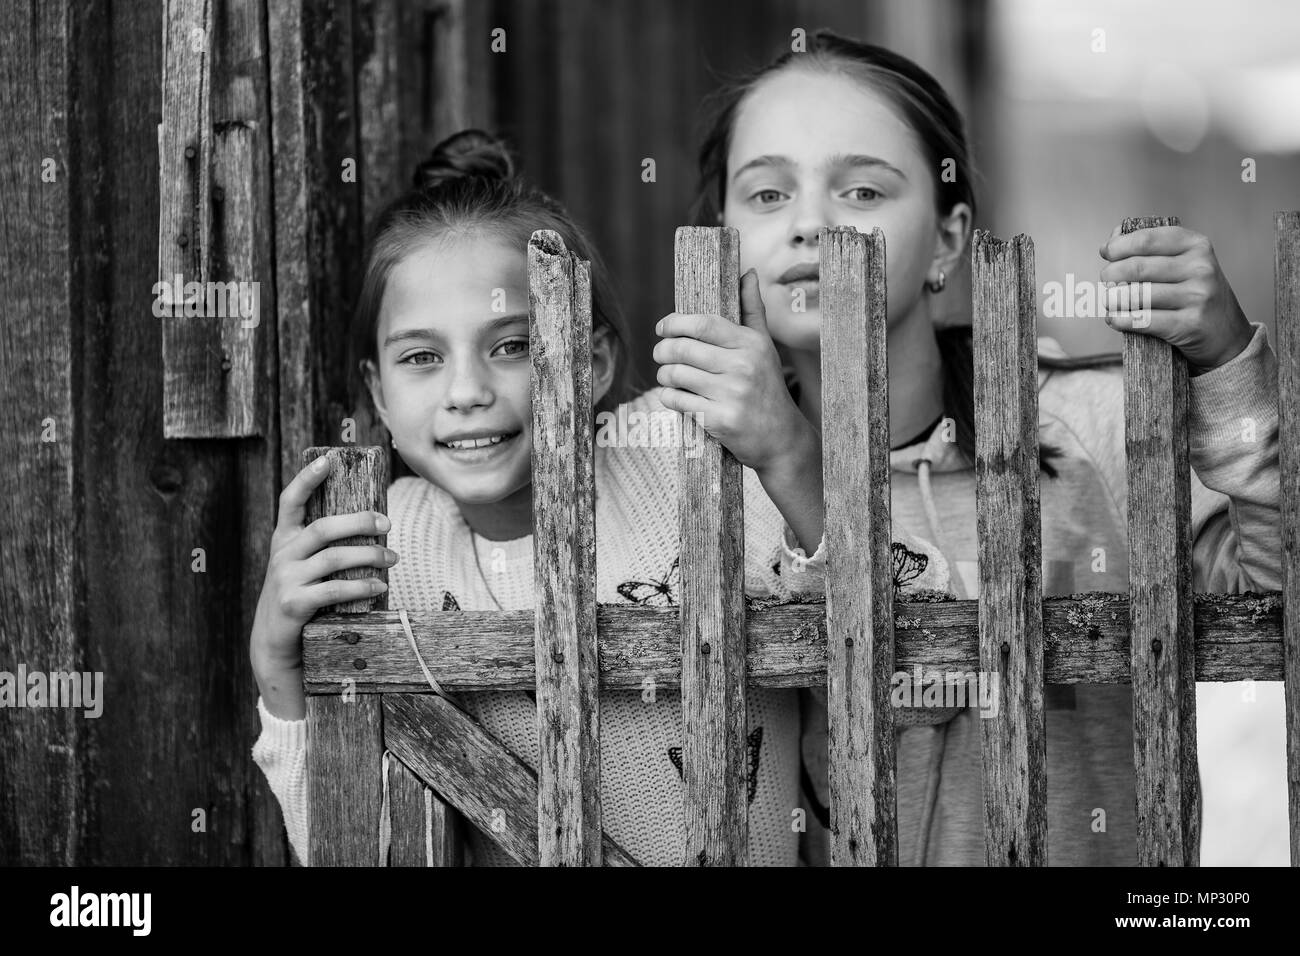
x=915, y=377
x=504, y=520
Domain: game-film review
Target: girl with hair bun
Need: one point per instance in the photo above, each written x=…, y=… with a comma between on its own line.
x=448, y=370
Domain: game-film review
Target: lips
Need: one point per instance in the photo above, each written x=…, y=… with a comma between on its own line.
x=802, y=272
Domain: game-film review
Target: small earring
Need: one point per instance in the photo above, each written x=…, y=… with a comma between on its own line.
x=393, y=440
x=937, y=284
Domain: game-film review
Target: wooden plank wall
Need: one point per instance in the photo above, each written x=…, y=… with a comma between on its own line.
x=119, y=586
x=175, y=781
x=44, y=753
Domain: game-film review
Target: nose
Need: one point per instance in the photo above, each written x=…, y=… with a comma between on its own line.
x=468, y=385
x=808, y=218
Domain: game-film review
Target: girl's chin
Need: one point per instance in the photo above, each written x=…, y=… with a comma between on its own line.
x=486, y=492
x=797, y=330
x=485, y=488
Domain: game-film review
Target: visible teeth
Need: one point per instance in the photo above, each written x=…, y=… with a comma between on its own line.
x=476, y=442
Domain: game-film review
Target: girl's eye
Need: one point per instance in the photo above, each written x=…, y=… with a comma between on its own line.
x=765, y=197
x=411, y=358
x=514, y=347
x=864, y=194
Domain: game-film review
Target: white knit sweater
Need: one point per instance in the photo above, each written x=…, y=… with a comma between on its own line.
x=636, y=551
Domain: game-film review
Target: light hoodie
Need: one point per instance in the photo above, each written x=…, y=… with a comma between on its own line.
x=1233, y=427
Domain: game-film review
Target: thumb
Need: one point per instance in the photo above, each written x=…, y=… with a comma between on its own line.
x=752, y=313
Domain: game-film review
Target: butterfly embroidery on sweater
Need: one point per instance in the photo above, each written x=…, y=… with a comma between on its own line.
x=755, y=752
x=449, y=602
x=660, y=593
x=908, y=565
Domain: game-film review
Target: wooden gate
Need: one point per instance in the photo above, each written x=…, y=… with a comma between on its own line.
x=376, y=689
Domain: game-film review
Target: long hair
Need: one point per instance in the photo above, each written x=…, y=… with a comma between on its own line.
x=926, y=108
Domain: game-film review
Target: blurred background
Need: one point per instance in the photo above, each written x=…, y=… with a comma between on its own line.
x=1160, y=124
x=1080, y=113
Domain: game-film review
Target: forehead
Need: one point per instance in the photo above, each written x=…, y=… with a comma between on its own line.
x=458, y=264
x=808, y=115
x=454, y=277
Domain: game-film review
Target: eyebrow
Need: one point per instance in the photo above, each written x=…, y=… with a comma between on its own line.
x=424, y=334
x=853, y=160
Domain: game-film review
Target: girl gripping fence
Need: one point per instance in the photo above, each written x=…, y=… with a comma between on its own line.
x=442, y=328
x=848, y=134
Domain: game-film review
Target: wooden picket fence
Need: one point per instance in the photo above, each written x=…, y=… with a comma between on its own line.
x=368, y=690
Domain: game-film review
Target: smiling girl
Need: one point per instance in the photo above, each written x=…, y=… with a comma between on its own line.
x=849, y=134
x=442, y=328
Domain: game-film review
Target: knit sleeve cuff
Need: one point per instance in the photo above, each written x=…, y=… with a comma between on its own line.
x=797, y=558
x=1246, y=386
x=281, y=735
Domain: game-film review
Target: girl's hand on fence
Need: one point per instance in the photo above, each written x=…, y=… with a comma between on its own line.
x=729, y=378
x=295, y=587
x=1190, y=303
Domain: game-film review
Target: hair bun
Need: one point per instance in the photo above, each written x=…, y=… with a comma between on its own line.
x=469, y=154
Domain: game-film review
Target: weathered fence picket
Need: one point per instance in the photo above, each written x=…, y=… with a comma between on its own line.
x=1007, y=522
x=1160, y=595
x=345, y=743
x=859, y=567
x=564, y=555
x=711, y=519
x=1287, y=313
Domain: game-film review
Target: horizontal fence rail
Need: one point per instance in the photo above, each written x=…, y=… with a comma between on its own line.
x=1085, y=641
x=371, y=699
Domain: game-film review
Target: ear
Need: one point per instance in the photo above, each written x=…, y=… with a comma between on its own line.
x=602, y=363
x=370, y=373
x=950, y=240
